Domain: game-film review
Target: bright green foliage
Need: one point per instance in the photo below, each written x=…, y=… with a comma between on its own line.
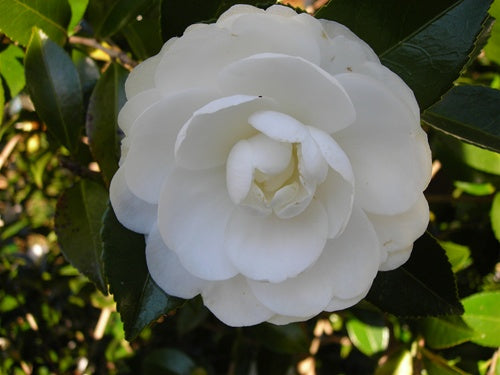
x=495, y=216
x=18, y=17
x=445, y=332
x=78, y=8
x=368, y=338
x=11, y=69
x=492, y=50
x=482, y=313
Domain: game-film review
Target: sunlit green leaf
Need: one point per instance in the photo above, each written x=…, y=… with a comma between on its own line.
x=492, y=49
x=78, y=8
x=446, y=331
x=470, y=113
x=12, y=69
x=473, y=188
x=368, y=338
x=495, y=216
x=55, y=89
x=78, y=224
x=423, y=286
x=458, y=255
x=18, y=17
x=139, y=300
x=482, y=313
x=437, y=365
x=480, y=159
x=102, y=129
x=2, y=100
x=399, y=362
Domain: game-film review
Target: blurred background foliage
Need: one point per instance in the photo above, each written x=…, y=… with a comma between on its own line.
x=53, y=320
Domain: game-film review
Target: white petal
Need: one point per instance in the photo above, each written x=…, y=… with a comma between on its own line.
x=305, y=91
x=337, y=196
x=135, y=107
x=278, y=126
x=291, y=200
x=387, y=148
x=333, y=154
x=269, y=156
x=239, y=171
x=207, y=138
x=227, y=18
x=354, y=257
x=131, y=211
x=337, y=303
x=281, y=320
x=142, y=77
x=234, y=304
x=273, y=249
x=150, y=157
x=397, y=232
x=311, y=163
x=167, y=271
x=396, y=259
x=280, y=10
x=193, y=212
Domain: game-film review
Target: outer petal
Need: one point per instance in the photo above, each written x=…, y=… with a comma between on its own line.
x=207, y=138
x=307, y=92
x=135, y=107
x=273, y=249
x=337, y=304
x=167, y=271
x=186, y=64
x=397, y=232
x=193, y=212
x=387, y=148
x=142, y=77
x=283, y=319
x=132, y=212
x=150, y=156
x=233, y=303
x=353, y=257
x=227, y=18
x=396, y=259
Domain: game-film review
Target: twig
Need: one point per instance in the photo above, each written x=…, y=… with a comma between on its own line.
x=493, y=364
x=114, y=53
x=9, y=147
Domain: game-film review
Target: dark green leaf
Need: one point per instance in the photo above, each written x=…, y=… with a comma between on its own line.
x=168, y=361
x=446, y=331
x=139, y=300
x=430, y=59
x=119, y=15
x=18, y=17
x=102, y=129
x=12, y=69
x=383, y=24
x=192, y=314
x=88, y=71
x=78, y=224
x=54, y=87
x=287, y=339
x=437, y=365
x=470, y=113
x=482, y=313
x=423, y=286
x=177, y=15
x=78, y=8
x=495, y=216
x=144, y=34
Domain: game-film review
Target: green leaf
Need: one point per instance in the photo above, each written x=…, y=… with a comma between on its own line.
x=368, y=338
x=445, y=332
x=492, y=49
x=2, y=101
x=18, y=17
x=286, y=339
x=479, y=189
x=167, y=361
x=398, y=362
x=144, y=34
x=139, y=300
x=12, y=69
x=383, y=24
x=470, y=113
x=78, y=8
x=495, y=216
x=55, y=90
x=482, y=313
x=88, y=71
x=102, y=129
x=480, y=159
x=119, y=15
x=429, y=64
x=437, y=365
x=423, y=286
x=78, y=224
x=458, y=255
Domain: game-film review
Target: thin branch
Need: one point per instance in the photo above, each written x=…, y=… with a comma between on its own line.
x=114, y=53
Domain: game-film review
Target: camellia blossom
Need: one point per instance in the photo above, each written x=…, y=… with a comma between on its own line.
x=273, y=164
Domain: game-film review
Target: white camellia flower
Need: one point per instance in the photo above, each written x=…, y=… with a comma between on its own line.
x=273, y=164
